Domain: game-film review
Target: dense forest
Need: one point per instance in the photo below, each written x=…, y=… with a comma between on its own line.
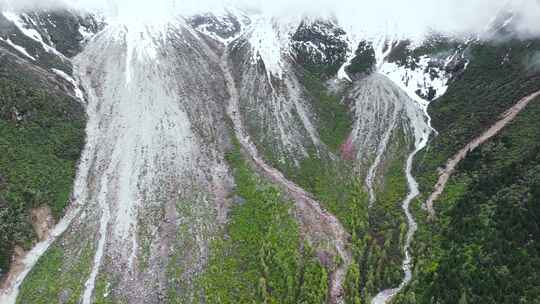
x=496, y=78
x=42, y=137
x=483, y=245
x=262, y=258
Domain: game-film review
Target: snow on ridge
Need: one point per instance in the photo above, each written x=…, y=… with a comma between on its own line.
x=270, y=40
x=18, y=48
x=140, y=44
x=31, y=33
x=415, y=81
x=379, y=39
x=86, y=33
x=423, y=82
x=267, y=46
x=78, y=92
x=141, y=39
x=322, y=41
x=224, y=26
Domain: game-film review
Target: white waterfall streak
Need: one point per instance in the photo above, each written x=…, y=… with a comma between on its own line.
x=421, y=129
x=370, y=178
x=80, y=196
x=311, y=214
x=420, y=143
x=143, y=131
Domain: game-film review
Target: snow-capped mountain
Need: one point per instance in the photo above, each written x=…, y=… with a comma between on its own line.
x=166, y=102
x=154, y=97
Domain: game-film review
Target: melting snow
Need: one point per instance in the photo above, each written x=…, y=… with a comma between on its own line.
x=78, y=92
x=225, y=21
x=417, y=81
x=141, y=43
x=270, y=41
x=414, y=81
x=267, y=46
x=29, y=32
x=86, y=33
x=342, y=73
x=18, y=48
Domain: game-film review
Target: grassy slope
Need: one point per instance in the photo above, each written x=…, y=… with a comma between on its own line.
x=262, y=259
x=377, y=237
x=55, y=280
x=334, y=117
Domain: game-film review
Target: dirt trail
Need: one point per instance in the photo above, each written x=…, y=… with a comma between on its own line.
x=317, y=221
x=453, y=162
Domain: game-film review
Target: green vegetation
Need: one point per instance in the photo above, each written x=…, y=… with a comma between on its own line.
x=57, y=277
x=175, y=272
x=376, y=235
x=182, y=271
x=377, y=248
x=435, y=45
x=334, y=118
x=262, y=258
x=495, y=79
x=42, y=135
x=364, y=61
x=483, y=247
x=102, y=293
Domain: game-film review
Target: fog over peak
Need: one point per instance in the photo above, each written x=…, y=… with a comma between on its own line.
x=413, y=18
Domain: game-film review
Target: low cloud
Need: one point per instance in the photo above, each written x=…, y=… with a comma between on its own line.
x=532, y=62
x=412, y=18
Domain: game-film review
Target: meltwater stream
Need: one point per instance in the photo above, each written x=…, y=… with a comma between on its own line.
x=153, y=98
x=421, y=129
x=312, y=216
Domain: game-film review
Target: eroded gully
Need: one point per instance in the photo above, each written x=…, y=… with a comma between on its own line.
x=311, y=214
x=421, y=130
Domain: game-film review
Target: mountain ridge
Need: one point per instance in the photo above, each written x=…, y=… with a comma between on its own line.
x=285, y=76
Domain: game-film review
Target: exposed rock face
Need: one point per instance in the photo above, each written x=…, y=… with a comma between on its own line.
x=274, y=108
x=153, y=188
x=42, y=221
x=382, y=110
x=159, y=184
x=320, y=44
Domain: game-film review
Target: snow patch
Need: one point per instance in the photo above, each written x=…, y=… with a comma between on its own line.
x=353, y=41
x=225, y=23
x=30, y=32
x=18, y=48
x=342, y=73
x=142, y=42
x=85, y=33
x=76, y=88
x=379, y=40
x=270, y=41
x=418, y=80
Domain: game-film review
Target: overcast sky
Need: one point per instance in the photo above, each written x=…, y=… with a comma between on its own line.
x=408, y=17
